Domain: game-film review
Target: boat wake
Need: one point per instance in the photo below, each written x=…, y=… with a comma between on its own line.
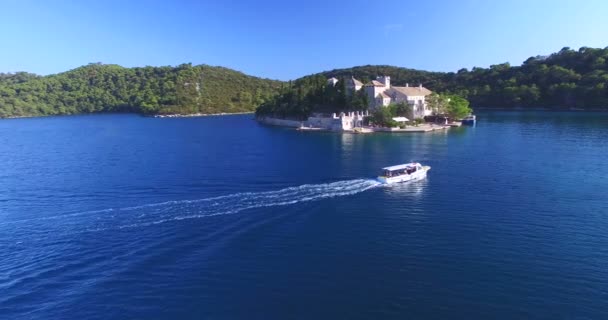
x=158, y=213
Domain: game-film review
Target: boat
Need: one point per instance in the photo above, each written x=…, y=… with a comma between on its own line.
x=469, y=120
x=403, y=173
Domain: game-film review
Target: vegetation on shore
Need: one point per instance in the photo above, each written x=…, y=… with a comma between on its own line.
x=184, y=89
x=452, y=106
x=566, y=79
x=311, y=94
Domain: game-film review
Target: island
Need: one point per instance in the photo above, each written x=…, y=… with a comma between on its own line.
x=376, y=106
x=382, y=97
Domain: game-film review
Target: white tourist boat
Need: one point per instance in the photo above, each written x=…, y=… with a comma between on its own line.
x=403, y=173
x=469, y=120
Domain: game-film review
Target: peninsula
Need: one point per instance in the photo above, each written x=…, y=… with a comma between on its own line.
x=563, y=80
x=377, y=105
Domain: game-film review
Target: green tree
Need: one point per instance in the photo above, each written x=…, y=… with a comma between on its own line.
x=458, y=107
x=383, y=117
x=400, y=109
x=438, y=103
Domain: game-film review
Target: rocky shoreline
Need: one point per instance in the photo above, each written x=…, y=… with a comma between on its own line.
x=152, y=115
x=199, y=114
x=304, y=126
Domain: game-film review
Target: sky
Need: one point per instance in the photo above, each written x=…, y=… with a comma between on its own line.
x=288, y=39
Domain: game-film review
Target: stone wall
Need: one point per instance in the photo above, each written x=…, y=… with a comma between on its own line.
x=324, y=123
x=281, y=122
x=334, y=122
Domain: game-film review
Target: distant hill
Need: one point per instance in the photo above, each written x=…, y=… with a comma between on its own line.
x=149, y=90
x=565, y=79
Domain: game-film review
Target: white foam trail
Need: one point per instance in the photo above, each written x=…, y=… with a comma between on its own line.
x=157, y=213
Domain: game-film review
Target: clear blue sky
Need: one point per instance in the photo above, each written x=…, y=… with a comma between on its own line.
x=286, y=39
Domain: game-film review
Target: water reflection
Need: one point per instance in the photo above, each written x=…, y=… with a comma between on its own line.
x=347, y=141
x=459, y=131
x=364, y=154
x=408, y=145
x=408, y=191
x=406, y=200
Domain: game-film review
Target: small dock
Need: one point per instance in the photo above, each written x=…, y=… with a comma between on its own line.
x=419, y=128
x=310, y=129
x=425, y=127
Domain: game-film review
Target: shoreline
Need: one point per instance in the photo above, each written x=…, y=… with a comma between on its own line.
x=192, y=115
x=302, y=126
x=543, y=109
x=423, y=128
x=132, y=113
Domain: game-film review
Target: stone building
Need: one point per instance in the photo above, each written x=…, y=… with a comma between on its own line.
x=380, y=93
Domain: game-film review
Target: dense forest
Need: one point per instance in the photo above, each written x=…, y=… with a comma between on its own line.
x=566, y=79
x=312, y=94
x=149, y=90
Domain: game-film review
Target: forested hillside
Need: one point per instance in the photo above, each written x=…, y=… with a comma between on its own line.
x=566, y=79
x=148, y=90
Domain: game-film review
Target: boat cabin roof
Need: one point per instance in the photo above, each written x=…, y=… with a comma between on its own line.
x=401, y=166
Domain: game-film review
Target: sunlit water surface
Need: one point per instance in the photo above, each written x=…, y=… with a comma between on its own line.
x=126, y=217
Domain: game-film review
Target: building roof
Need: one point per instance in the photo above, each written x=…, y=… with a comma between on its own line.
x=375, y=83
x=355, y=82
x=413, y=91
x=384, y=95
x=401, y=166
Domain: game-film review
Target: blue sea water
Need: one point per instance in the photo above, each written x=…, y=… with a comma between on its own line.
x=126, y=217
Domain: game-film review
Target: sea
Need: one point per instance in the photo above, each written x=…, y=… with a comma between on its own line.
x=119, y=216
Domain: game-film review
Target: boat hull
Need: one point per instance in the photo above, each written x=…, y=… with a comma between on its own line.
x=418, y=175
x=469, y=121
